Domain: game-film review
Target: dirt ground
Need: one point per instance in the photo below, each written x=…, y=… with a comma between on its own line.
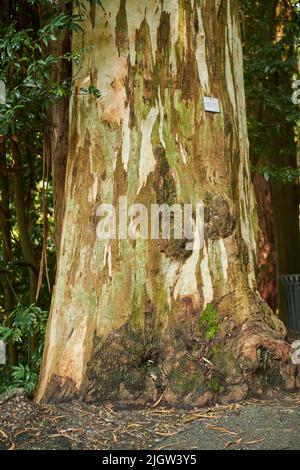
x=253, y=424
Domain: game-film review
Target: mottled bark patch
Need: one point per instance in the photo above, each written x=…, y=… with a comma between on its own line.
x=122, y=29
x=219, y=216
x=163, y=184
x=92, y=14
x=175, y=249
x=244, y=252
x=165, y=192
x=162, y=72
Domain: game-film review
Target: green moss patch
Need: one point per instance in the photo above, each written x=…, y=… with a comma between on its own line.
x=209, y=322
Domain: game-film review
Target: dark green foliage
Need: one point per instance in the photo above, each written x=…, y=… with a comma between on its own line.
x=20, y=327
x=271, y=63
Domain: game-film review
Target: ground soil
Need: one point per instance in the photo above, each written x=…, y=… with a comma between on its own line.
x=273, y=423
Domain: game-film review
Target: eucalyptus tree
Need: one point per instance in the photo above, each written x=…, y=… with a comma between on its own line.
x=136, y=319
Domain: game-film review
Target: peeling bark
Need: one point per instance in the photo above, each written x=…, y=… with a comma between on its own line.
x=132, y=319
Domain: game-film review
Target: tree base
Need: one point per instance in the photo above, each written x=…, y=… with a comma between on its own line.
x=197, y=362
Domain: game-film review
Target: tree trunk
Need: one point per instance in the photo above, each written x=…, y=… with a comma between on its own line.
x=56, y=137
x=6, y=277
x=132, y=320
x=266, y=252
x=25, y=241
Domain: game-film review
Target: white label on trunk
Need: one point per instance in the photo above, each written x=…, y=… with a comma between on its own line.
x=2, y=352
x=211, y=104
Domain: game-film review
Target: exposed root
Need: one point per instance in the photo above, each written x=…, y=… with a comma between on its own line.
x=265, y=358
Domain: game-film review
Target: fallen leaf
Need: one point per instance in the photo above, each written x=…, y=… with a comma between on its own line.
x=254, y=442
x=219, y=429
x=162, y=447
x=166, y=434
x=23, y=431
x=85, y=413
x=199, y=416
x=163, y=411
x=54, y=418
x=3, y=434
x=133, y=425
x=207, y=361
x=233, y=443
x=158, y=401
